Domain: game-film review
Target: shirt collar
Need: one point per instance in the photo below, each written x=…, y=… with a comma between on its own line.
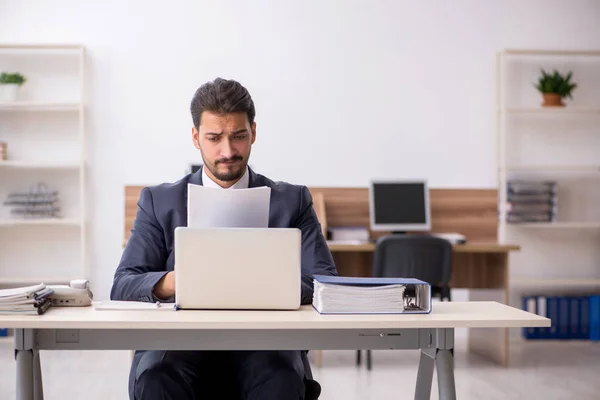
x=242, y=183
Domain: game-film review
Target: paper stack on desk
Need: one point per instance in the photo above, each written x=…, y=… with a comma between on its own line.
x=350, y=295
x=28, y=300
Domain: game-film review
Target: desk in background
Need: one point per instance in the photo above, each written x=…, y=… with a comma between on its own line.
x=481, y=265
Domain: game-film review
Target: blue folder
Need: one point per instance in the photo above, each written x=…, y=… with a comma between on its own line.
x=422, y=289
x=594, y=317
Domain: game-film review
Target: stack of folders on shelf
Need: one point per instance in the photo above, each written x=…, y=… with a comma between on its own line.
x=350, y=295
x=28, y=300
x=531, y=201
x=573, y=317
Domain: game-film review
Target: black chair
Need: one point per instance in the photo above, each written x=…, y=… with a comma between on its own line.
x=423, y=257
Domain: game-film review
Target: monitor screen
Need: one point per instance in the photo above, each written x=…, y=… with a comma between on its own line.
x=400, y=206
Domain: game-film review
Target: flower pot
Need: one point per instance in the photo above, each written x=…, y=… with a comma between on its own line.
x=552, y=100
x=9, y=91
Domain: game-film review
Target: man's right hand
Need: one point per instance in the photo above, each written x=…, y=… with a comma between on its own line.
x=165, y=288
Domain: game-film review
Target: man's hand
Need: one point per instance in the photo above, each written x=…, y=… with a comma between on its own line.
x=165, y=288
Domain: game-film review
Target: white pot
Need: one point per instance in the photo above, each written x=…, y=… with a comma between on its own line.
x=8, y=92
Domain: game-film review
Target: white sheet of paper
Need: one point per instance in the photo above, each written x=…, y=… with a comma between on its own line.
x=228, y=208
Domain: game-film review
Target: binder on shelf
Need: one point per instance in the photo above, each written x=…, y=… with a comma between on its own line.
x=530, y=305
x=584, y=314
x=594, y=315
x=350, y=295
x=579, y=320
x=563, y=318
x=572, y=317
x=553, y=314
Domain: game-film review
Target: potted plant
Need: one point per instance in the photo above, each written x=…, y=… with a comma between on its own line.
x=554, y=87
x=10, y=84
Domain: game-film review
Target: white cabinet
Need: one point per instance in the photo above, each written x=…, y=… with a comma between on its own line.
x=44, y=130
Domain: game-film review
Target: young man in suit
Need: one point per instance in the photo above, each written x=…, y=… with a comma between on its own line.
x=224, y=131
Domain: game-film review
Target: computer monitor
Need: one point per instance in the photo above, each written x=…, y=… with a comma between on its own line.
x=399, y=205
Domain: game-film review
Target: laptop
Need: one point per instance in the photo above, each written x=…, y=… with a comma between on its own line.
x=238, y=268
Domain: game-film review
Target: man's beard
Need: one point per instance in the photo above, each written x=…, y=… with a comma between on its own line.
x=231, y=174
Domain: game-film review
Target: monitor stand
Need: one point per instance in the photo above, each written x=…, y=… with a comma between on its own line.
x=399, y=233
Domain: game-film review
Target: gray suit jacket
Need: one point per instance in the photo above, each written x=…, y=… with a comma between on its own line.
x=149, y=253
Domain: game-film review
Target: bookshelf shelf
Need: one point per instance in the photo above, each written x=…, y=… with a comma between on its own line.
x=39, y=164
x=553, y=168
x=38, y=106
x=41, y=221
x=556, y=225
x=33, y=281
x=560, y=111
x=552, y=52
x=557, y=282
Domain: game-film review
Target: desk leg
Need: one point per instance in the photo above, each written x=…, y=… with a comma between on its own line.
x=439, y=352
x=425, y=374
x=444, y=362
x=25, y=364
x=38, y=388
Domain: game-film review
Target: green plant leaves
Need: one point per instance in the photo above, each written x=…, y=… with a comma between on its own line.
x=556, y=83
x=12, y=78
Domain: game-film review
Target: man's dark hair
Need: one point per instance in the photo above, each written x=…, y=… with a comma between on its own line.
x=222, y=96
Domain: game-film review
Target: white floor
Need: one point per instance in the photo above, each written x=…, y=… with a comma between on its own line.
x=541, y=370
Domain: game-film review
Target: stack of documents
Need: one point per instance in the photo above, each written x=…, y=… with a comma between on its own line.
x=28, y=300
x=342, y=295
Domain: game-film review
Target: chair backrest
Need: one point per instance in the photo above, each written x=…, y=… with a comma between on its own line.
x=423, y=257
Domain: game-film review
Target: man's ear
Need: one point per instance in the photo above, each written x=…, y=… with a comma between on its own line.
x=196, y=137
x=253, y=132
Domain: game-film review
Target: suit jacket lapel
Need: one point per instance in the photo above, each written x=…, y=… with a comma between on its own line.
x=195, y=179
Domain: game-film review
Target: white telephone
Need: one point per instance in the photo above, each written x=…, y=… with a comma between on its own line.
x=77, y=294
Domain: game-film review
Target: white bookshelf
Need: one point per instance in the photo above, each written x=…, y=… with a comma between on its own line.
x=559, y=144
x=45, y=132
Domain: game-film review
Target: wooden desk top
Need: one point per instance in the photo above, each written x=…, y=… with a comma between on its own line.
x=473, y=247
x=444, y=315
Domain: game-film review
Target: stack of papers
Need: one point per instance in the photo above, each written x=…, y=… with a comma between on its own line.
x=346, y=295
x=28, y=300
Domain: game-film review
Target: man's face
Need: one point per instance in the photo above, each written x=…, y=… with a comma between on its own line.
x=225, y=142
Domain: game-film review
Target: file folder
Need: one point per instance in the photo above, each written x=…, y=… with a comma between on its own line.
x=594, y=318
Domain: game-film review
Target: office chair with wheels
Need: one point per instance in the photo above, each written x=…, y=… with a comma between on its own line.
x=423, y=257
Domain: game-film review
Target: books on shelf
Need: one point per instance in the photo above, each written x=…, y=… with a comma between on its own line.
x=531, y=201
x=27, y=300
x=351, y=295
x=573, y=317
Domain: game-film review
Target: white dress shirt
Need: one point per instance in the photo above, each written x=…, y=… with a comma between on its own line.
x=241, y=184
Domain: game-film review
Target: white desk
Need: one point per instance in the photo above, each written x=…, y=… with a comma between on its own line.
x=89, y=329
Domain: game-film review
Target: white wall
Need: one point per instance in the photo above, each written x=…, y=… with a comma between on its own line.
x=344, y=90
